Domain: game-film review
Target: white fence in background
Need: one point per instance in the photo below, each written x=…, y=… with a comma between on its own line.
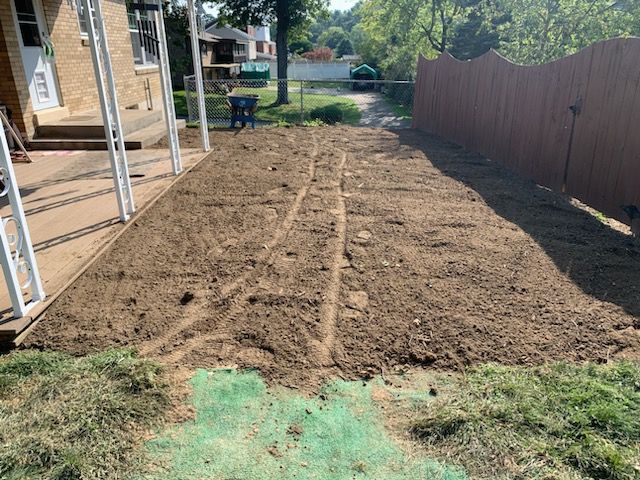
x=314, y=71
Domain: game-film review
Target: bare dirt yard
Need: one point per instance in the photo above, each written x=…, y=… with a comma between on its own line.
x=335, y=251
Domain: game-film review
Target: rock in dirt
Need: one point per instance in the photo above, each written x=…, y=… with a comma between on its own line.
x=358, y=300
x=423, y=358
x=273, y=450
x=296, y=430
x=186, y=298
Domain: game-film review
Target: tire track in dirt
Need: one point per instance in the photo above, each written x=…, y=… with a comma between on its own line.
x=231, y=292
x=285, y=226
x=323, y=347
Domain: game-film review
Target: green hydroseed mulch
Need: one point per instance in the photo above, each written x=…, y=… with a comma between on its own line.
x=243, y=430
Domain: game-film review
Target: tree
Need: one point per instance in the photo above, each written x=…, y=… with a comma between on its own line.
x=344, y=19
x=332, y=37
x=479, y=32
x=179, y=46
x=320, y=54
x=544, y=30
x=289, y=15
x=391, y=33
x=344, y=48
x=300, y=46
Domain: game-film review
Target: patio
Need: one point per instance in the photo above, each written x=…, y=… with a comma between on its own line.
x=71, y=209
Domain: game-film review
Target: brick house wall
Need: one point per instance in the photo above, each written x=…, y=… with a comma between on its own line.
x=12, y=94
x=73, y=65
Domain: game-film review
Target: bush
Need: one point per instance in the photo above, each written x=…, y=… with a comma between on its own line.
x=329, y=114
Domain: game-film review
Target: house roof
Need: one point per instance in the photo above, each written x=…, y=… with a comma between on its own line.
x=229, y=33
x=364, y=69
x=208, y=37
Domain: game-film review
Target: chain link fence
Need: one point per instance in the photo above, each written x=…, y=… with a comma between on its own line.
x=371, y=103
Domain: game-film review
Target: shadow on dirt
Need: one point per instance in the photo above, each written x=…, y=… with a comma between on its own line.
x=603, y=262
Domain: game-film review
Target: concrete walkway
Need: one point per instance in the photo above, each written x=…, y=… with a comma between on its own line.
x=71, y=209
x=376, y=112
x=374, y=108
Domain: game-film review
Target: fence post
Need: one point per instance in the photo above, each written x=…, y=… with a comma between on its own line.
x=301, y=103
x=167, y=89
x=197, y=70
x=187, y=94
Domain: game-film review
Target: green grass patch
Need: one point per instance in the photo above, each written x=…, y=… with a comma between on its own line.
x=344, y=86
x=554, y=422
x=268, y=111
x=180, y=103
x=76, y=418
x=601, y=217
x=399, y=109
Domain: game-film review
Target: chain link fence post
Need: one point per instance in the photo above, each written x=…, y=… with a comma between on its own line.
x=301, y=102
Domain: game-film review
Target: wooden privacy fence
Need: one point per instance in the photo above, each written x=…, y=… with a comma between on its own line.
x=572, y=125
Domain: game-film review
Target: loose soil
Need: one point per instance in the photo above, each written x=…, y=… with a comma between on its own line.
x=335, y=251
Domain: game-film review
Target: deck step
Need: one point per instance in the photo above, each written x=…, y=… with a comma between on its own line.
x=13, y=327
x=147, y=136
x=135, y=140
x=90, y=126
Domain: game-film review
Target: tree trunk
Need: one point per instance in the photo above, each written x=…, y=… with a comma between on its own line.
x=282, y=49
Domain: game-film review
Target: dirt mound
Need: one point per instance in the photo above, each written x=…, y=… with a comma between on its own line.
x=309, y=253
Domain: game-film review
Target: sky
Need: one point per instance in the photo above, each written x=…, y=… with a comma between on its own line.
x=342, y=4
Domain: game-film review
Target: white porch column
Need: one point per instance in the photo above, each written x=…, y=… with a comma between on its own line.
x=167, y=92
x=18, y=260
x=197, y=67
x=109, y=106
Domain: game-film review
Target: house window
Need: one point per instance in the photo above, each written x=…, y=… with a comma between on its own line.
x=141, y=55
x=42, y=87
x=82, y=23
x=28, y=23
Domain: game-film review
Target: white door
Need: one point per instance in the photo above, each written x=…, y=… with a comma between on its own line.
x=34, y=45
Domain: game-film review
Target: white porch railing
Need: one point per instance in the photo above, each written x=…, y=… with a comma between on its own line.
x=18, y=260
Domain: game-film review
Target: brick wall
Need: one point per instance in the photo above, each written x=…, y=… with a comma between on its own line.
x=13, y=87
x=76, y=81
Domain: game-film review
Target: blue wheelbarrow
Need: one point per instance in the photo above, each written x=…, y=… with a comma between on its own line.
x=243, y=106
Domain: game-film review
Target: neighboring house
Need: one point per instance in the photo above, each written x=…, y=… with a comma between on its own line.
x=40, y=86
x=266, y=49
x=352, y=58
x=224, y=49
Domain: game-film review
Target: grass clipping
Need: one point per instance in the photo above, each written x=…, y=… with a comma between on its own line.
x=76, y=418
x=555, y=422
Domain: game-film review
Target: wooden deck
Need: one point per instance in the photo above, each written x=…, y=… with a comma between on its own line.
x=72, y=213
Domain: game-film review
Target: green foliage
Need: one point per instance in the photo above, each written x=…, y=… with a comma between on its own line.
x=300, y=46
x=330, y=114
x=345, y=20
x=332, y=37
x=287, y=14
x=391, y=34
x=544, y=30
x=559, y=421
x=76, y=418
x=344, y=48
